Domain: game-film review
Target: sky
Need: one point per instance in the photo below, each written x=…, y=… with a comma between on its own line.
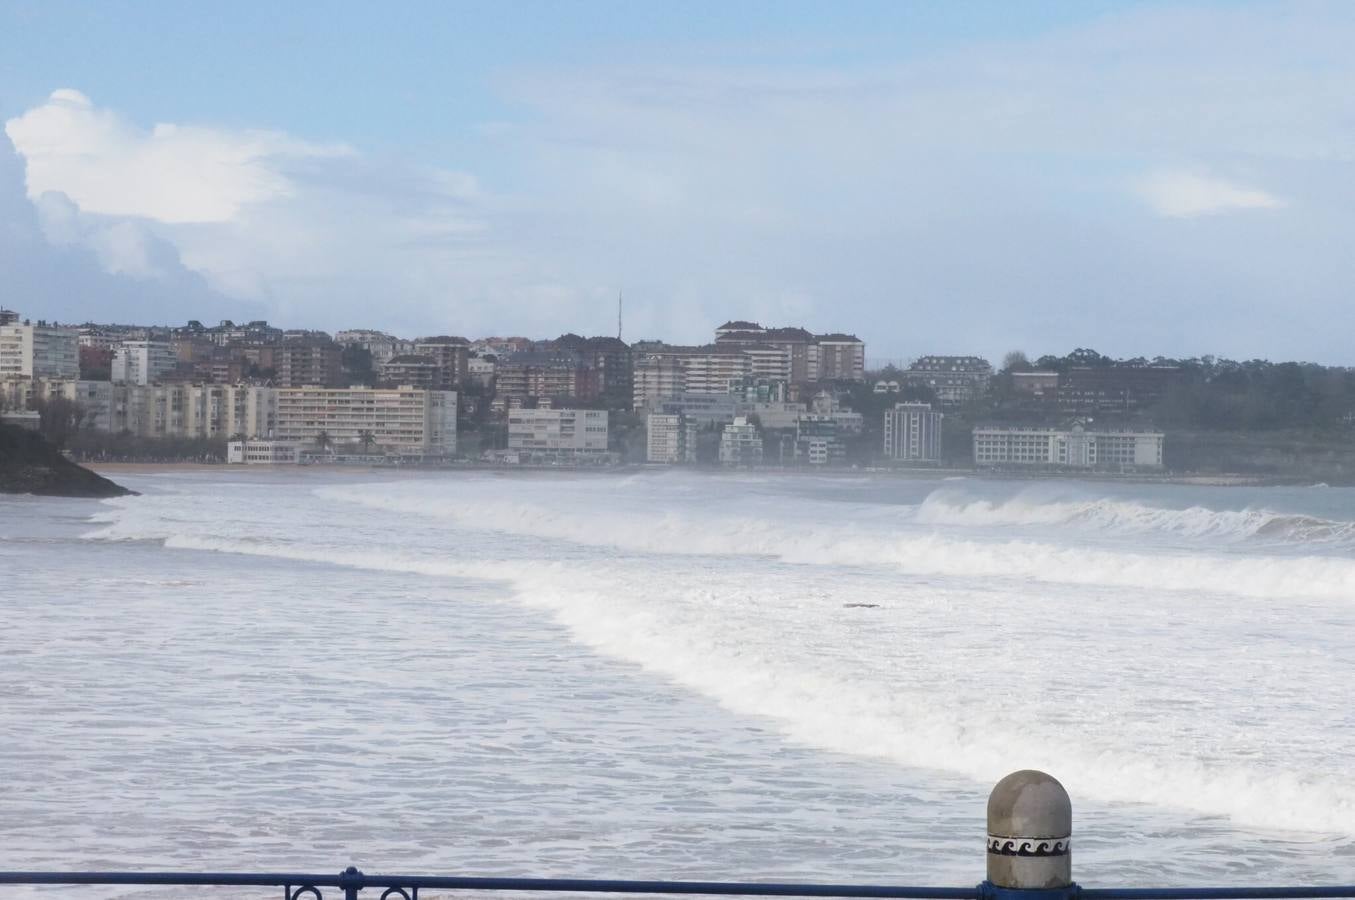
x=966, y=177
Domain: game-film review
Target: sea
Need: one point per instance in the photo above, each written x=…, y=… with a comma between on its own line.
x=674, y=675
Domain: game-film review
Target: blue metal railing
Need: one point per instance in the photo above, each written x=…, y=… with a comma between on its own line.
x=298, y=885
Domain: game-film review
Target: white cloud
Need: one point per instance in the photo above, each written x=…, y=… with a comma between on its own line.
x=1181, y=195
x=962, y=200
x=171, y=173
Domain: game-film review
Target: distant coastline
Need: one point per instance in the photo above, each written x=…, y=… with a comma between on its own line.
x=1223, y=479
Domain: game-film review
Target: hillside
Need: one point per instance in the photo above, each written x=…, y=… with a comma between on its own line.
x=30, y=465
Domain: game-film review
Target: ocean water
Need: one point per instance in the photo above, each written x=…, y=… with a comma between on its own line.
x=675, y=675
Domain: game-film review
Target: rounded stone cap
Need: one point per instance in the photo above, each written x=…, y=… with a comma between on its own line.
x=1030, y=825
x=1030, y=804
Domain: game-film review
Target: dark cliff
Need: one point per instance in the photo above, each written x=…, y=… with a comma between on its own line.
x=30, y=465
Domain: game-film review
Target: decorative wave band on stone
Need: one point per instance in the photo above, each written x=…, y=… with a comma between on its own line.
x=1004, y=845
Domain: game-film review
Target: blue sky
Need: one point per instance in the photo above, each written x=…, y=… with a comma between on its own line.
x=946, y=177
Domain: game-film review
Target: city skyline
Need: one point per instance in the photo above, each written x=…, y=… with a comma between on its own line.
x=1131, y=177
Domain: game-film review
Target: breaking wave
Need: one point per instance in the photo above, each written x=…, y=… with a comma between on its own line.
x=915, y=552
x=1127, y=517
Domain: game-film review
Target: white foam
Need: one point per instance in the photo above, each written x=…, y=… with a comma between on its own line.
x=774, y=643
x=834, y=541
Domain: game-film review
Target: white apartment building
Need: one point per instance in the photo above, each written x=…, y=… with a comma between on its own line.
x=671, y=438
x=572, y=432
x=740, y=444
x=382, y=346
x=713, y=370
x=401, y=421
x=262, y=452
x=1075, y=447
x=768, y=361
x=38, y=351
x=912, y=433
x=657, y=377
x=142, y=362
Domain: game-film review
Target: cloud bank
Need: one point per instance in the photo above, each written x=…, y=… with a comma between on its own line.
x=1130, y=184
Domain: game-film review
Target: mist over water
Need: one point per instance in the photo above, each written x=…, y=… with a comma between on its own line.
x=677, y=675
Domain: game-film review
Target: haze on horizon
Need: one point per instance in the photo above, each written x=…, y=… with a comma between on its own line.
x=1142, y=178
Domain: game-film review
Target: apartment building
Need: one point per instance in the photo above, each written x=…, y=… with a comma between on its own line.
x=1074, y=447
x=912, y=433
x=670, y=438
x=305, y=361
x=837, y=357
x=658, y=374
x=29, y=350
x=740, y=444
x=819, y=440
x=611, y=361
x=713, y=369
x=380, y=345
x=796, y=355
x=412, y=370
x=400, y=421
x=780, y=352
x=955, y=380
x=143, y=362
x=94, y=399
x=451, y=356
x=555, y=433
x=545, y=374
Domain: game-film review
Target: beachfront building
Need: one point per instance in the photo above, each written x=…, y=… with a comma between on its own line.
x=670, y=438
x=406, y=421
x=558, y=435
x=740, y=444
x=1076, y=447
x=257, y=452
x=818, y=440
x=912, y=433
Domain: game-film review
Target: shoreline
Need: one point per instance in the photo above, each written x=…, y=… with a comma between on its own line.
x=1224, y=479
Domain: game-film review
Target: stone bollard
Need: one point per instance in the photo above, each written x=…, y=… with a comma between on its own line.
x=1030, y=827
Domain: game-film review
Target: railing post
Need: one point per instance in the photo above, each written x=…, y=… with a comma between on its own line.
x=1030, y=826
x=352, y=881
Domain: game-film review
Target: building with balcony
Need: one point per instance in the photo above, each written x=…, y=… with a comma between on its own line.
x=262, y=452
x=671, y=438
x=955, y=380
x=29, y=350
x=412, y=370
x=143, y=362
x=740, y=444
x=558, y=434
x=451, y=356
x=912, y=433
x=819, y=441
x=305, y=362
x=1077, y=447
x=409, y=422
